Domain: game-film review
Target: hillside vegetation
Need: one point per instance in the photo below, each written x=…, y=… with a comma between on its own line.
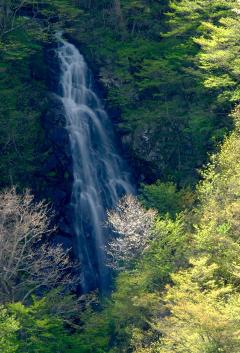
x=169, y=73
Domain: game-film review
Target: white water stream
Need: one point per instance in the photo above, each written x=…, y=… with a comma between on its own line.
x=100, y=175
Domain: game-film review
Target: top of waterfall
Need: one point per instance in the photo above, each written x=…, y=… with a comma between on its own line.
x=59, y=36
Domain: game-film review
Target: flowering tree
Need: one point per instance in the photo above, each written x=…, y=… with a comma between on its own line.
x=132, y=226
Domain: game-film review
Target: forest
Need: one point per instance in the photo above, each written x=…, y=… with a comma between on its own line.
x=168, y=75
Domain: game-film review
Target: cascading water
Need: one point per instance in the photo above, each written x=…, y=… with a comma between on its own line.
x=100, y=176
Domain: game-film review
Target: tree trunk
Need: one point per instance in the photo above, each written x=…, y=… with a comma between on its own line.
x=119, y=17
x=4, y=14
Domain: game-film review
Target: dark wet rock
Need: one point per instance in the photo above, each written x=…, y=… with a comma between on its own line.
x=50, y=164
x=68, y=215
x=58, y=196
x=57, y=168
x=59, y=137
x=55, y=115
x=65, y=228
x=64, y=154
x=53, y=67
x=66, y=242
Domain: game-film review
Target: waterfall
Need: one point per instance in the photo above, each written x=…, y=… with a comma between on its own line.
x=100, y=176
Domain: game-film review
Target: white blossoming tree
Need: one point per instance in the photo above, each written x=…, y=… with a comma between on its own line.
x=132, y=228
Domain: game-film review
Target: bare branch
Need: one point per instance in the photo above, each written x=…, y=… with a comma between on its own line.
x=27, y=263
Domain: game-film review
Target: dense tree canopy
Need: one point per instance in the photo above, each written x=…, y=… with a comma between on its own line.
x=168, y=71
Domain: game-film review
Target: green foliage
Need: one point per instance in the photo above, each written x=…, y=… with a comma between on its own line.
x=166, y=198
x=168, y=303
x=170, y=70
x=153, y=83
x=23, y=89
x=204, y=316
x=96, y=331
x=218, y=230
x=21, y=132
x=40, y=332
x=186, y=16
x=21, y=104
x=203, y=303
x=146, y=59
x=125, y=319
x=40, y=327
x=8, y=332
x=220, y=56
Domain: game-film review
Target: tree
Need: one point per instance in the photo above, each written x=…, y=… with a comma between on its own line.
x=37, y=327
x=204, y=316
x=186, y=16
x=119, y=16
x=12, y=14
x=219, y=57
x=9, y=10
x=166, y=198
x=203, y=305
x=132, y=226
x=27, y=263
x=218, y=227
x=8, y=331
x=43, y=331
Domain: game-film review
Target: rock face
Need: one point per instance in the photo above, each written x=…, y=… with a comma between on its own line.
x=57, y=168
